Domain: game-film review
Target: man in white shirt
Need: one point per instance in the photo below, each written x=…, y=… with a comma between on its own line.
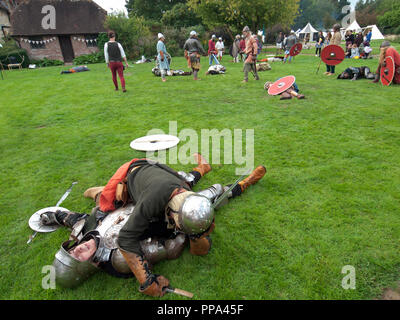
x=220, y=48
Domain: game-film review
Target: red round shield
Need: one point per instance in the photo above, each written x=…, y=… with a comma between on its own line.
x=296, y=49
x=387, y=71
x=333, y=55
x=281, y=85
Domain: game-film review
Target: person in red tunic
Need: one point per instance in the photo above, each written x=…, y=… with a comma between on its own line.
x=386, y=51
x=212, y=51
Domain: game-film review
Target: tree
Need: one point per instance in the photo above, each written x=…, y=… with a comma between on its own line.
x=150, y=9
x=320, y=13
x=130, y=33
x=391, y=18
x=180, y=16
x=235, y=14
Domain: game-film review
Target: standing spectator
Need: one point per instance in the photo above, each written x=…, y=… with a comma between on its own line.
x=236, y=49
x=162, y=57
x=220, y=49
x=369, y=36
x=328, y=38
x=319, y=44
x=336, y=40
x=279, y=43
x=212, y=51
x=114, y=54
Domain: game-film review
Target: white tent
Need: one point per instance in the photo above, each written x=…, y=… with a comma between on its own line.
x=376, y=33
x=354, y=26
x=308, y=29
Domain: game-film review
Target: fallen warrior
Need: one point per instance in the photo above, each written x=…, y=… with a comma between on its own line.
x=171, y=73
x=216, y=69
x=357, y=73
x=146, y=213
x=293, y=91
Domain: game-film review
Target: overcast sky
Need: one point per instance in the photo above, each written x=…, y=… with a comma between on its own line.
x=119, y=5
x=112, y=5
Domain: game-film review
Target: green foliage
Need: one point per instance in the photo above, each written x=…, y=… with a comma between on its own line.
x=391, y=18
x=10, y=49
x=150, y=9
x=102, y=39
x=96, y=57
x=180, y=16
x=131, y=32
x=47, y=63
x=237, y=13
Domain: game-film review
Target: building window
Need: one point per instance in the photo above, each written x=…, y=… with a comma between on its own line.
x=91, y=40
x=37, y=43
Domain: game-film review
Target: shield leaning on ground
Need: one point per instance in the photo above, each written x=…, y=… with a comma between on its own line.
x=387, y=71
x=281, y=85
x=296, y=49
x=155, y=143
x=332, y=55
x=35, y=224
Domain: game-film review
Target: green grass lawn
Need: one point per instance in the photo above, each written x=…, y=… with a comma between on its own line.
x=330, y=198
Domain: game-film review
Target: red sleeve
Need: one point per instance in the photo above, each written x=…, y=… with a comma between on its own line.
x=107, y=196
x=395, y=55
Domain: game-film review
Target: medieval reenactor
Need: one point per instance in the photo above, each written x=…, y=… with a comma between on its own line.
x=146, y=213
x=251, y=55
x=193, y=51
x=162, y=57
x=353, y=73
x=288, y=43
x=292, y=91
x=388, y=51
x=114, y=54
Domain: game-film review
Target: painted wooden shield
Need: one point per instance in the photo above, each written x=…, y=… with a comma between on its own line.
x=387, y=71
x=281, y=85
x=155, y=143
x=333, y=55
x=296, y=49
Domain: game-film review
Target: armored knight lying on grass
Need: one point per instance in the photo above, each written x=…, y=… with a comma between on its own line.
x=152, y=212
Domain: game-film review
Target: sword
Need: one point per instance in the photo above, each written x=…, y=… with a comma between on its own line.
x=227, y=192
x=180, y=292
x=334, y=59
x=65, y=195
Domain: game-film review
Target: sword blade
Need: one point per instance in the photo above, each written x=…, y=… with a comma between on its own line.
x=227, y=192
x=66, y=194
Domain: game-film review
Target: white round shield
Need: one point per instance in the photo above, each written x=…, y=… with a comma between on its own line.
x=156, y=142
x=35, y=224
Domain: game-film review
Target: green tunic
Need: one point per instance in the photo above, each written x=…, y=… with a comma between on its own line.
x=150, y=188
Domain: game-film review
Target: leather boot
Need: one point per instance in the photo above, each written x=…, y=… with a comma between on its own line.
x=301, y=96
x=93, y=193
x=376, y=79
x=203, y=167
x=150, y=284
x=200, y=247
x=253, y=178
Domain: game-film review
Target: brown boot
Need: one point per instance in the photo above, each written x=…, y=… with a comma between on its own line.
x=94, y=193
x=253, y=178
x=150, y=284
x=203, y=167
x=301, y=96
